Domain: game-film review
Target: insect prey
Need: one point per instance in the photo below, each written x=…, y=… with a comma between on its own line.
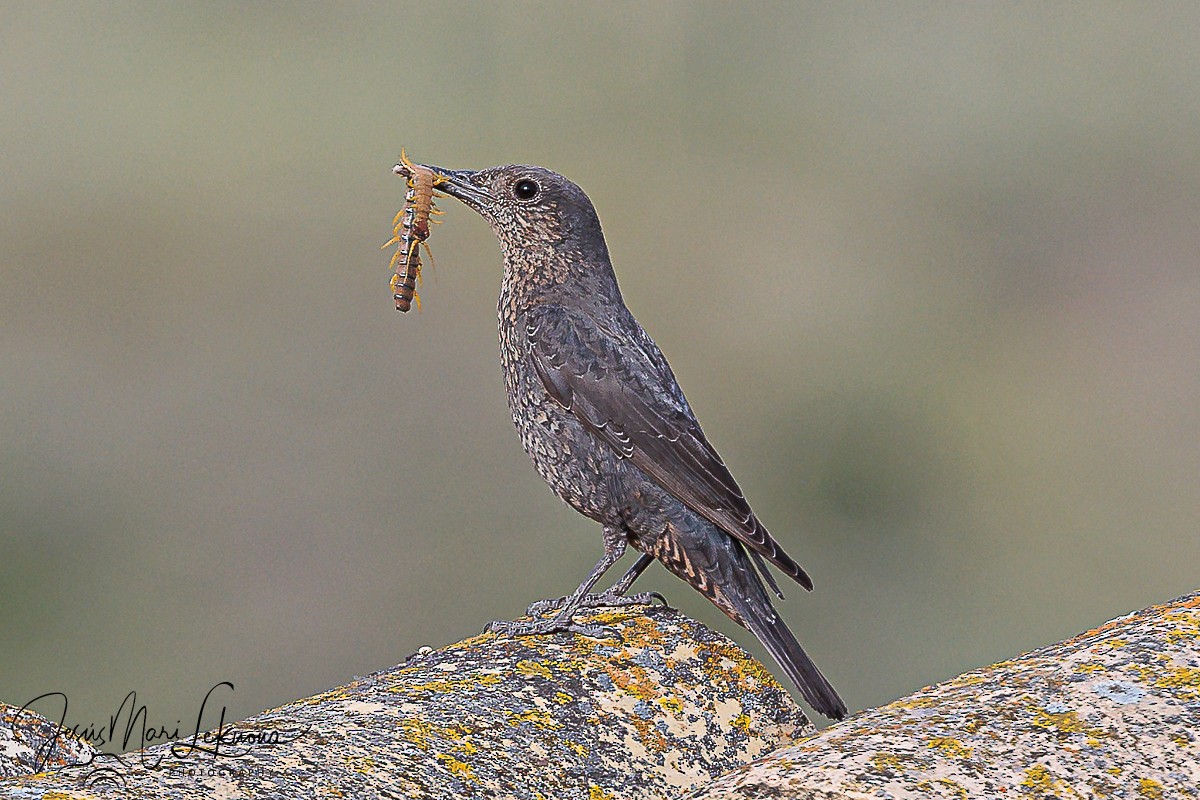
x=411, y=230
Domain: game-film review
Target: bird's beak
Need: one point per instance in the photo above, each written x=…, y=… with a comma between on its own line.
x=459, y=184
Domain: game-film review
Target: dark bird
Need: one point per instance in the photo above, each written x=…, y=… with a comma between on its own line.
x=607, y=426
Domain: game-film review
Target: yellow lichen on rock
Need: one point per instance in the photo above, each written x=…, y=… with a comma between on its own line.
x=949, y=747
x=1105, y=714
x=1150, y=789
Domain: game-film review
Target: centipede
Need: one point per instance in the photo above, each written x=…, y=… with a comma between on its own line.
x=410, y=229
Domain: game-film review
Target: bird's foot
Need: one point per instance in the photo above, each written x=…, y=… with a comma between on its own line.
x=564, y=619
x=607, y=599
x=555, y=624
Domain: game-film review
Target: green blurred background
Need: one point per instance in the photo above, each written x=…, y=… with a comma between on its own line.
x=928, y=273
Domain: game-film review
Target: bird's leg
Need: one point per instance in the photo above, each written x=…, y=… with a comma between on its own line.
x=632, y=574
x=614, y=548
x=613, y=596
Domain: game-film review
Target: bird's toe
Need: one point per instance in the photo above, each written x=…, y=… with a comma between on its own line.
x=611, y=599
x=542, y=607
x=520, y=627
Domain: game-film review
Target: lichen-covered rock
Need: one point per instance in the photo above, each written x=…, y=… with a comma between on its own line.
x=1114, y=712
x=28, y=744
x=665, y=706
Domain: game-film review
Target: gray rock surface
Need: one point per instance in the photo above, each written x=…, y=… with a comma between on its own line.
x=665, y=707
x=1111, y=713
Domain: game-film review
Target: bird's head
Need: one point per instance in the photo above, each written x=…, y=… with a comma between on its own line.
x=547, y=226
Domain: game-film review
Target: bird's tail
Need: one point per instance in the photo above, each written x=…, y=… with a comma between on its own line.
x=769, y=627
x=718, y=566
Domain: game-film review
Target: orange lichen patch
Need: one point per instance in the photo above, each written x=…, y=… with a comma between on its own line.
x=562, y=698
x=1187, y=602
x=1128, y=619
x=634, y=679
x=949, y=747
x=742, y=723
x=1100, y=630
x=596, y=793
x=651, y=738
x=1091, y=666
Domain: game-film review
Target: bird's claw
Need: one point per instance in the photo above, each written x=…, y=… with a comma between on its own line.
x=656, y=596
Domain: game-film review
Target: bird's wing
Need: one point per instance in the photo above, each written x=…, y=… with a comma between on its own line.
x=627, y=396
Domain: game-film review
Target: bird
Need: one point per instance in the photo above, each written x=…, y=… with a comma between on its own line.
x=602, y=418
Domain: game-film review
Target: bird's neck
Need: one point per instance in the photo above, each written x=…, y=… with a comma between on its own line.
x=555, y=273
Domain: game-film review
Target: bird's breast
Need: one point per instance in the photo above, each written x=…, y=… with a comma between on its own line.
x=563, y=452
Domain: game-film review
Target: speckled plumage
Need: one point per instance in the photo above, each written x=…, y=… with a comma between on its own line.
x=604, y=421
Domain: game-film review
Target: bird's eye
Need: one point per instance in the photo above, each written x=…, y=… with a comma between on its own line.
x=525, y=189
